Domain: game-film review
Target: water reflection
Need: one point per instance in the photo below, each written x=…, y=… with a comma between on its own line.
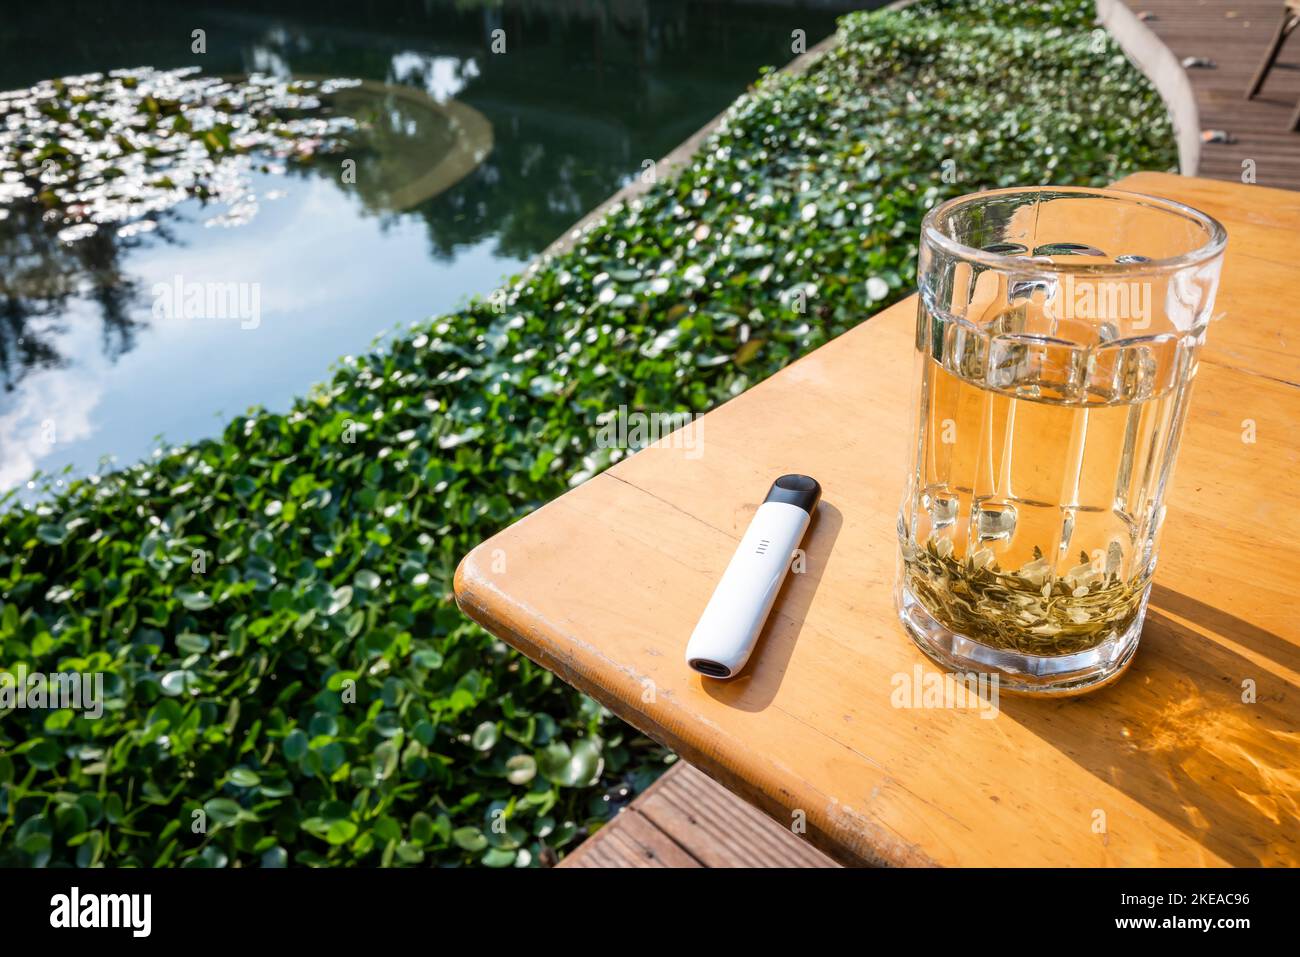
x=40, y=273
x=68, y=223
x=411, y=147
x=584, y=94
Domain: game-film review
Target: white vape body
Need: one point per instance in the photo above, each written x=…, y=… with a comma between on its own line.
x=729, y=628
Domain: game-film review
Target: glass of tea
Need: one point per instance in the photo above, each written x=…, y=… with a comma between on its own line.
x=1056, y=346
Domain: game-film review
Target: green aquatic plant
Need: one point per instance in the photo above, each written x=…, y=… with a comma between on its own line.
x=113, y=150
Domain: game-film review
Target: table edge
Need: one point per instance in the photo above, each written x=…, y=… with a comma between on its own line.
x=876, y=846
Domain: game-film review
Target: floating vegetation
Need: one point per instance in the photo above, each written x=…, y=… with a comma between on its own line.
x=111, y=150
x=1029, y=610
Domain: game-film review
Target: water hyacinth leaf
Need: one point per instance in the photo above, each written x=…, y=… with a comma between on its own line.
x=275, y=857
x=340, y=832
x=193, y=644
x=91, y=849
x=469, y=838
x=427, y=658
x=424, y=732
x=341, y=598
x=521, y=769
x=295, y=745
x=275, y=789
x=222, y=810
x=44, y=755
x=244, y=778
x=92, y=807
x=114, y=809
x=367, y=580
x=52, y=534
x=323, y=724
x=422, y=829
x=573, y=765
x=34, y=835
x=179, y=682
x=499, y=857
x=70, y=819
x=342, y=680
x=193, y=598
x=485, y=736
x=409, y=853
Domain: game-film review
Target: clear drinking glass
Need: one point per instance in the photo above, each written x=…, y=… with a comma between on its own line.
x=1056, y=345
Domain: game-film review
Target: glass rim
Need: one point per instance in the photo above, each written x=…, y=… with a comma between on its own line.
x=1217, y=235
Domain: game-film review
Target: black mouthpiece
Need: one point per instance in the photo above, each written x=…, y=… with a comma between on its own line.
x=800, y=490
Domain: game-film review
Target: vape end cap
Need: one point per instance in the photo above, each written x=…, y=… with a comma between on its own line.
x=706, y=666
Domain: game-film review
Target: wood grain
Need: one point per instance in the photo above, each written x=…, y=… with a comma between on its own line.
x=685, y=819
x=1169, y=766
x=629, y=841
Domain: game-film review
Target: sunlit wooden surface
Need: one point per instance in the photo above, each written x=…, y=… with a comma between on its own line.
x=1192, y=758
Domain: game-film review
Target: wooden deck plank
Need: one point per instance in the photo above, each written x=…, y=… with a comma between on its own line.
x=630, y=840
x=1234, y=34
x=687, y=820
x=721, y=830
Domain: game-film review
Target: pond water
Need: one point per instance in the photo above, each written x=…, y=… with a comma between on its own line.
x=474, y=162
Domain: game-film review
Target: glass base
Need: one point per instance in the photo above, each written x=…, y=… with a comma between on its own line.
x=1018, y=673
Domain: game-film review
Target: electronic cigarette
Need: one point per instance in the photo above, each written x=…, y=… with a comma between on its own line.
x=727, y=631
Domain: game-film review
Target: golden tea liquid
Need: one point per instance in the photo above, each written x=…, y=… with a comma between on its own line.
x=1056, y=347
x=1040, y=465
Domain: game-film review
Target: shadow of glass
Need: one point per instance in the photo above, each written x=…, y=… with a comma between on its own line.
x=1259, y=640
x=1195, y=733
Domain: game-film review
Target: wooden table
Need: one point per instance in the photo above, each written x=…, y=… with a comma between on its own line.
x=1169, y=766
